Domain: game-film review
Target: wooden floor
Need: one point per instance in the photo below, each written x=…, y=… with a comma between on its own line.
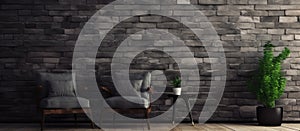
x=181, y=127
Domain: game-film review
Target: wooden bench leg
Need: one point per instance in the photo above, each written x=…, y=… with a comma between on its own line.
x=42, y=120
x=75, y=118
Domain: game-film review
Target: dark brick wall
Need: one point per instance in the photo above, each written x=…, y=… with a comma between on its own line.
x=36, y=35
x=40, y=35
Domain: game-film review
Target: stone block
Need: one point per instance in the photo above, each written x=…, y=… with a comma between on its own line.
x=212, y=2
x=284, y=19
x=183, y=2
x=255, y=13
x=257, y=31
x=72, y=2
x=34, y=31
x=62, y=13
x=167, y=25
x=228, y=11
x=246, y=25
x=292, y=31
x=258, y=2
x=286, y=102
x=289, y=7
x=248, y=49
x=24, y=12
x=115, y=13
x=137, y=7
x=145, y=25
x=78, y=19
x=230, y=37
x=151, y=19
x=243, y=7
x=44, y=54
x=247, y=111
x=248, y=19
x=269, y=19
x=294, y=2
x=58, y=19
x=237, y=2
x=50, y=60
x=294, y=95
x=42, y=19
x=248, y=37
x=218, y=19
x=287, y=37
x=209, y=12
x=291, y=72
x=276, y=13
x=183, y=13
x=264, y=25
x=263, y=37
x=54, y=31
x=276, y=31
x=277, y=2
x=58, y=7
x=268, y=7
x=162, y=12
x=292, y=12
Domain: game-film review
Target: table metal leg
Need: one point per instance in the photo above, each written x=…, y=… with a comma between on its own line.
x=174, y=108
x=190, y=111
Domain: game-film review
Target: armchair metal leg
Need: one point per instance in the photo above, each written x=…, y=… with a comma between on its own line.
x=100, y=120
x=93, y=124
x=114, y=119
x=147, y=112
x=91, y=117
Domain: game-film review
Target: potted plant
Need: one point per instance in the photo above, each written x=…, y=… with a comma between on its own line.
x=176, y=85
x=268, y=85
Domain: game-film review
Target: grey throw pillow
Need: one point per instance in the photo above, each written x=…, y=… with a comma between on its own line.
x=59, y=84
x=61, y=88
x=137, y=84
x=129, y=91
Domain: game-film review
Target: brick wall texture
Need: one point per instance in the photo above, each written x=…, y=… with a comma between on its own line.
x=40, y=35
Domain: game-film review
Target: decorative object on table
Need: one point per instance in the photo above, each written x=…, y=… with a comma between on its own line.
x=56, y=95
x=176, y=83
x=268, y=85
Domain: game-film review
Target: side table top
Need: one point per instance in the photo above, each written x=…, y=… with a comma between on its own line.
x=183, y=94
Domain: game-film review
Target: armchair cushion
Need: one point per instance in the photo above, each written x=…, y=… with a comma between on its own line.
x=121, y=102
x=136, y=84
x=58, y=84
x=64, y=102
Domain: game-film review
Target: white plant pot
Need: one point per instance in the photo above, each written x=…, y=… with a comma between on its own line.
x=177, y=91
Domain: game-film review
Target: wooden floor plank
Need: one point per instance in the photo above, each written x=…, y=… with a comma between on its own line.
x=157, y=127
x=295, y=126
x=254, y=127
x=213, y=127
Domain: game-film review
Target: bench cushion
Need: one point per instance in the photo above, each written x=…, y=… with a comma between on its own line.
x=64, y=102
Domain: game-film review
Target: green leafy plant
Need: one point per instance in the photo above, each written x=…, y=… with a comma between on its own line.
x=269, y=84
x=176, y=82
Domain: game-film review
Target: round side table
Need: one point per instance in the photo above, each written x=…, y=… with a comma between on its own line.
x=185, y=97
